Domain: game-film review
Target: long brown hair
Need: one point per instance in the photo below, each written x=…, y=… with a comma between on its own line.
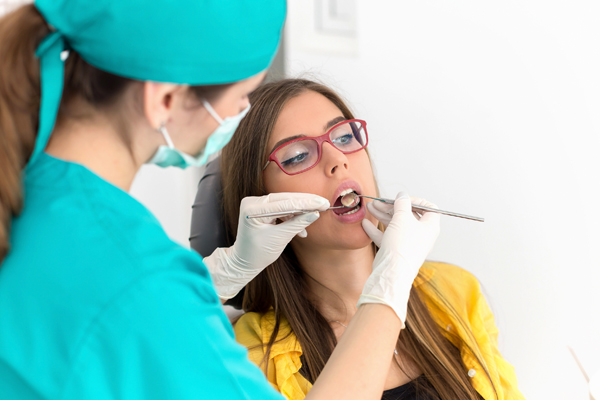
x=21, y=31
x=283, y=286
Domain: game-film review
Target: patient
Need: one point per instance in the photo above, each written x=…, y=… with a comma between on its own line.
x=298, y=307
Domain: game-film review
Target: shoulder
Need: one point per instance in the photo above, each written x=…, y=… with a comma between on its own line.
x=248, y=330
x=85, y=239
x=282, y=366
x=448, y=287
x=449, y=278
x=251, y=333
x=94, y=224
x=100, y=245
x=257, y=328
x=254, y=331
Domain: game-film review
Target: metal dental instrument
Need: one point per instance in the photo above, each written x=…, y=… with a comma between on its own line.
x=423, y=208
x=291, y=213
x=388, y=201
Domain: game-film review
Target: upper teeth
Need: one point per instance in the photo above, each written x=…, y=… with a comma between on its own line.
x=345, y=192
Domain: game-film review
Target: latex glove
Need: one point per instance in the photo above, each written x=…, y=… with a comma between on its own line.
x=383, y=212
x=260, y=241
x=403, y=247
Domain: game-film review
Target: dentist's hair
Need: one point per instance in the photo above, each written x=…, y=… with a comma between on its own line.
x=21, y=31
x=283, y=286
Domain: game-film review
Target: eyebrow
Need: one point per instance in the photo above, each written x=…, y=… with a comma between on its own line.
x=333, y=122
x=282, y=141
x=287, y=139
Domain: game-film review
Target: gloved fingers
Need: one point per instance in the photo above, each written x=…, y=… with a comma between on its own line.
x=255, y=222
x=383, y=207
x=430, y=218
x=381, y=216
x=422, y=202
x=424, y=216
x=295, y=226
x=402, y=205
x=285, y=218
x=371, y=230
x=302, y=234
x=291, y=200
x=279, y=202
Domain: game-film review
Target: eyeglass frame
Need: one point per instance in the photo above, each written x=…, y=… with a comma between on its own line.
x=319, y=139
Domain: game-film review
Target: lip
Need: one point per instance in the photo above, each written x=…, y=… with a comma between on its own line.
x=357, y=216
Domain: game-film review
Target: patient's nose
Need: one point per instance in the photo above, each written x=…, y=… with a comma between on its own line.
x=333, y=159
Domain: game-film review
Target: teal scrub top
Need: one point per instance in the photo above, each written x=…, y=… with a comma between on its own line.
x=96, y=302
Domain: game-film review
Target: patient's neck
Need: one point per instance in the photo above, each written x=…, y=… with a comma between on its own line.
x=339, y=277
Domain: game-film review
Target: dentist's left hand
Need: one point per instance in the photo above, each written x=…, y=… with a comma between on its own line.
x=260, y=241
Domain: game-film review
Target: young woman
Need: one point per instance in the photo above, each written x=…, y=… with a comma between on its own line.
x=307, y=140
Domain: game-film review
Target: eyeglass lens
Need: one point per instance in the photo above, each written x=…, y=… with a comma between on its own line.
x=302, y=154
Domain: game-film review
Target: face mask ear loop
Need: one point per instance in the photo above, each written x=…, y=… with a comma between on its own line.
x=212, y=111
x=163, y=130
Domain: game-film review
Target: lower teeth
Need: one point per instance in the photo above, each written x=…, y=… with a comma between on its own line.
x=355, y=209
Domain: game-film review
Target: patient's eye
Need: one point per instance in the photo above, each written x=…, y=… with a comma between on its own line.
x=298, y=155
x=343, y=140
x=297, y=159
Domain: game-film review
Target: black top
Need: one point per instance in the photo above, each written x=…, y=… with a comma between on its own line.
x=412, y=391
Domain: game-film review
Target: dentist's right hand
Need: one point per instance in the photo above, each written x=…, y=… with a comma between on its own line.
x=403, y=247
x=260, y=241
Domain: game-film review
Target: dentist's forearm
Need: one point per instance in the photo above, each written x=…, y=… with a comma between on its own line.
x=360, y=363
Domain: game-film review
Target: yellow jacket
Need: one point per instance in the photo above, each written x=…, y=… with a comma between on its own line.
x=459, y=288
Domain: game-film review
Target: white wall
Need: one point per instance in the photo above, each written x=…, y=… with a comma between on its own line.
x=169, y=193
x=490, y=109
x=9, y=5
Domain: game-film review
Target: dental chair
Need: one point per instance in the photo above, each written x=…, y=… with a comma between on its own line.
x=208, y=230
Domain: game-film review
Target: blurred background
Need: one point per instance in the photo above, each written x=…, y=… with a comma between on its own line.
x=485, y=108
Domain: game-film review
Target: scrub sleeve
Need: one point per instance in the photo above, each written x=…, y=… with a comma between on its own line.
x=96, y=302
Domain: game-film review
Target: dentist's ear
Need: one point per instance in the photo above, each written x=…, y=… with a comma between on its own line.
x=158, y=101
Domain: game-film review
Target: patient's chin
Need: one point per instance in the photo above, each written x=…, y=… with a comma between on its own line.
x=358, y=241
x=347, y=239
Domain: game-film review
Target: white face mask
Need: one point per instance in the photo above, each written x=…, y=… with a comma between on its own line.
x=169, y=156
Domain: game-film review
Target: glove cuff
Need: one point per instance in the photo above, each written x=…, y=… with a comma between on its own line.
x=227, y=278
x=367, y=298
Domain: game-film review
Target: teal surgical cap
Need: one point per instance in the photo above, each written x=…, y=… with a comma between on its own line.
x=194, y=42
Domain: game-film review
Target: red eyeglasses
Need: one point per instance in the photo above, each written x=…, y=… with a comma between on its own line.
x=302, y=154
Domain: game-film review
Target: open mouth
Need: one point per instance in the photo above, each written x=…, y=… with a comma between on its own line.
x=350, y=200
